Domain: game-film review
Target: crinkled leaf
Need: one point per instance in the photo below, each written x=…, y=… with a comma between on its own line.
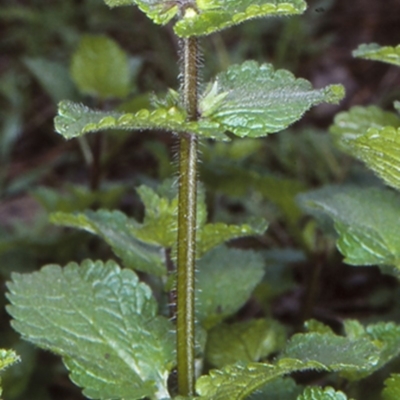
x=119, y=232
x=317, y=393
x=76, y=119
x=211, y=235
x=214, y=15
x=374, y=51
x=7, y=358
x=102, y=321
x=278, y=389
x=254, y=100
x=352, y=124
x=338, y=352
x=100, y=68
x=392, y=388
x=379, y=148
x=366, y=219
x=226, y=278
x=203, y=17
x=244, y=341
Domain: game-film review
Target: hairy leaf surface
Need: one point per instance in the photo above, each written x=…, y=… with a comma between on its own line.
x=102, y=321
x=392, y=388
x=317, y=393
x=254, y=100
x=366, y=220
x=374, y=51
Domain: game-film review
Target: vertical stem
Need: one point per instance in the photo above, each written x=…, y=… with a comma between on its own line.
x=186, y=256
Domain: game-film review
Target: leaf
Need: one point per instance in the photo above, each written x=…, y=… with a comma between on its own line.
x=53, y=77
x=366, y=220
x=100, y=68
x=374, y=51
x=104, y=324
x=392, y=388
x=7, y=358
x=215, y=15
x=278, y=389
x=379, y=148
x=212, y=235
x=226, y=278
x=203, y=17
x=244, y=341
x=337, y=353
x=119, y=232
x=260, y=100
x=316, y=393
x=352, y=124
x=75, y=120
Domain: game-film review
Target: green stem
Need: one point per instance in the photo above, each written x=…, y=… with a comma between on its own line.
x=186, y=256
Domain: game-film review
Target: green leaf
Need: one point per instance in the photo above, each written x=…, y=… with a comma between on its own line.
x=209, y=16
x=278, y=389
x=374, y=51
x=254, y=100
x=104, y=324
x=366, y=220
x=392, y=388
x=379, y=148
x=244, y=341
x=203, y=17
x=338, y=353
x=100, y=68
x=316, y=393
x=75, y=120
x=53, y=77
x=352, y=124
x=119, y=232
x=7, y=358
x=211, y=235
x=226, y=278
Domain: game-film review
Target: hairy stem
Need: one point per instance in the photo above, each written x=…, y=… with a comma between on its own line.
x=186, y=256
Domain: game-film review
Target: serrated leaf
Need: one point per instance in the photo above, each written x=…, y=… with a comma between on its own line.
x=350, y=125
x=104, y=324
x=244, y=341
x=7, y=358
x=209, y=16
x=379, y=148
x=75, y=120
x=226, y=278
x=374, y=51
x=366, y=220
x=119, y=231
x=392, y=388
x=260, y=100
x=316, y=393
x=100, y=68
x=327, y=350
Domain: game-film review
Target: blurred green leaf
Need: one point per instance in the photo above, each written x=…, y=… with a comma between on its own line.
x=7, y=358
x=366, y=220
x=100, y=68
x=102, y=321
x=252, y=100
x=316, y=393
x=53, y=77
x=278, y=389
x=244, y=341
x=226, y=278
x=374, y=51
x=392, y=388
x=119, y=231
